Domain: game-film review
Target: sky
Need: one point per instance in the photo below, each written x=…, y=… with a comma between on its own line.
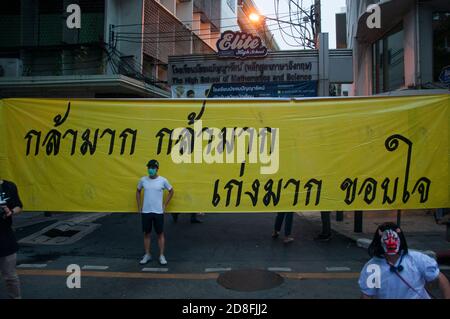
x=328, y=8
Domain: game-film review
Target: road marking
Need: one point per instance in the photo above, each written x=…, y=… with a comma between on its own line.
x=156, y=269
x=338, y=269
x=32, y=266
x=279, y=269
x=87, y=218
x=191, y=276
x=321, y=275
x=444, y=267
x=217, y=269
x=124, y=275
x=90, y=267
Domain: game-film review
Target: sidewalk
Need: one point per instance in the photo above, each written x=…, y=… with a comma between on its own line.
x=421, y=230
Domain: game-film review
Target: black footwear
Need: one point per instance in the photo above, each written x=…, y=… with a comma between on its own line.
x=196, y=221
x=275, y=234
x=323, y=237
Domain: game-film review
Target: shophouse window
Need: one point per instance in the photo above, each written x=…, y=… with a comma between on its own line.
x=441, y=43
x=388, y=62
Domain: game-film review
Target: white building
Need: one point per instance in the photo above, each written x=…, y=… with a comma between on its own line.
x=121, y=49
x=409, y=51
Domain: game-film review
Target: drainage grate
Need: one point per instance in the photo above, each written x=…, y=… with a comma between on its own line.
x=52, y=233
x=249, y=280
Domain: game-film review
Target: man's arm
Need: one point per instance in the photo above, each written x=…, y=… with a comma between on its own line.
x=444, y=285
x=9, y=212
x=16, y=203
x=169, y=197
x=138, y=200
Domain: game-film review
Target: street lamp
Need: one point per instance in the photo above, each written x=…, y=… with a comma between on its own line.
x=254, y=17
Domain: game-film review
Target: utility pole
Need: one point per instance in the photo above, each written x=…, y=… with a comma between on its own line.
x=317, y=21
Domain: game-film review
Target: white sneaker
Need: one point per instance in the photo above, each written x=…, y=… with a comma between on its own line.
x=162, y=260
x=145, y=259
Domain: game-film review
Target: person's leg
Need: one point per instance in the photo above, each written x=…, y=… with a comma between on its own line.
x=159, y=228
x=277, y=227
x=325, y=235
x=147, y=243
x=194, y=219
x=326, y=223
x=9, y=274
x=161, y=244
x=288, y=224
x=147, y=230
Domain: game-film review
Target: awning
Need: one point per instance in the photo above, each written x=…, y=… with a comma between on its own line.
x=78, y=85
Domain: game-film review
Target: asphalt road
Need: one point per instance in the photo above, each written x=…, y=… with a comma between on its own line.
x=197, y=254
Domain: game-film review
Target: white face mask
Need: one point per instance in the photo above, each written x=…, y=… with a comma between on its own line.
x=390, y=241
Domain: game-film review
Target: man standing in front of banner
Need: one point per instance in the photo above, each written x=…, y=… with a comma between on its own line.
x=152, y=209
x=10, y=204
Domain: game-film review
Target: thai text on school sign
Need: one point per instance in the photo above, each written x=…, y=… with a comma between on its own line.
x=229, y=155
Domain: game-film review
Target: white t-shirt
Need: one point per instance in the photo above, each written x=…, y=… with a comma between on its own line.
x=153, y=193
x=418, y=269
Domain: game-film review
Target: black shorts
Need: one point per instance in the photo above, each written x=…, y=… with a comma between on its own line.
x=149, y=219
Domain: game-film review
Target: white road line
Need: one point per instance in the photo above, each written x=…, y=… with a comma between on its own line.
x=279, y=269
x=217, y=269
x=338, y=269
x=32, y=266
x=87, y=218
x=91, y=267
x=444, y=267
x=155, y=269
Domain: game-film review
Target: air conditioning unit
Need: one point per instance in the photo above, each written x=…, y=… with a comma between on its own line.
x=11, y=67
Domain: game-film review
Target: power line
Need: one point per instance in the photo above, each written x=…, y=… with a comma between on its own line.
x=184, y=29
x=173, y=37
x=183, y=22
x=168, y=39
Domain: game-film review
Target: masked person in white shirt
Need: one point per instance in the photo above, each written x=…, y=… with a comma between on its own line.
x=394, y=272
x=152, y=209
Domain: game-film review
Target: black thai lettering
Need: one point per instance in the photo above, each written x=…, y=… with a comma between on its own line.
x=112, y=134
x=423, y=187
x=124, y=137
x=270, y=195
x=254, y=195
x=29, y=138
x=385, y=187
x=309, y=185
x=296, y=183
x=216, y=196
x=369, y=187
x=229, y=186
x=74, y=139
x=88, y=145
x=391, y=144
x=349, y=186
x=161, y=134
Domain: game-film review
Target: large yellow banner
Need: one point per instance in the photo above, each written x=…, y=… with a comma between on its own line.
x=229, y=155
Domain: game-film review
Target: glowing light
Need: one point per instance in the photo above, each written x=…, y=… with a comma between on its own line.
x=254, y=17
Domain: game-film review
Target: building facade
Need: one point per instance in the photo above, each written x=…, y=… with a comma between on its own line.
x=410, y=50
x=121, y=49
